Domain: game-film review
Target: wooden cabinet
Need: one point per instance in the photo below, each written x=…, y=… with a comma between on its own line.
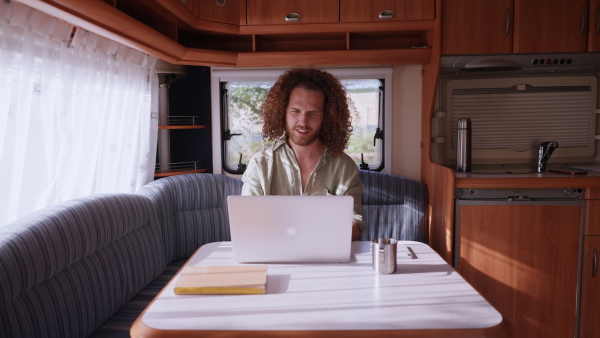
x=226, y=11
x=589, y=308
x=386, y=10
x=523, y=259
x=592, y=217
x=229, y=11
x=594, y=27
x=254, y=33
x=550, y=26
x=517, y=26
x=191, y=5
x=589, y=326
x=266, y=12
x=477, y=27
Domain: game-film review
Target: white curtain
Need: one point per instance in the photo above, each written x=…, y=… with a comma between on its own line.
x=77, y=113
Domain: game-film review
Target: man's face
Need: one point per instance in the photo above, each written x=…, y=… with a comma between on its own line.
x=304, y=116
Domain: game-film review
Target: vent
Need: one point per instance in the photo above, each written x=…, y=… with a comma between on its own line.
x=491, y=65
x=491, y=69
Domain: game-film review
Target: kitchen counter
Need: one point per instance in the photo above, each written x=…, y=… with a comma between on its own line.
x=527, y=180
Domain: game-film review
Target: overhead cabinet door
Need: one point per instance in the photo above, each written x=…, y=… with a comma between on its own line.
x=221, y=11
x=550, y=26
x=386, y=10
x=477, y=27
x=266, y=12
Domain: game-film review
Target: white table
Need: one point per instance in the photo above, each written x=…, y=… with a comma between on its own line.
x=425, y=297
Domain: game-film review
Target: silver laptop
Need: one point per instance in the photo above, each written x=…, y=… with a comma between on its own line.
x=291, y=229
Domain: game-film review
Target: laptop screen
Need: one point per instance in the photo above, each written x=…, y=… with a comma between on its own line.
x=290, y=229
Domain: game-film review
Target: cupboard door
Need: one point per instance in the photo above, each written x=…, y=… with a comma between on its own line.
x=589, y=311
x=477, y=27
x=550, y=26
x=227, y=11
x=356, y=10
x=266, y=12
x=523, y=260
x=592, y=218
x=594, y=27
x=386, y=10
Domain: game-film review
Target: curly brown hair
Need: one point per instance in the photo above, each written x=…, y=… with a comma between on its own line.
x=337, y=122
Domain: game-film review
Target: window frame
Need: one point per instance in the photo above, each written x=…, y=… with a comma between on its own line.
x=219, y=75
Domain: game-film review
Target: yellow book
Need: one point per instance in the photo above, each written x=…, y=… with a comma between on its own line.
x=223, y=280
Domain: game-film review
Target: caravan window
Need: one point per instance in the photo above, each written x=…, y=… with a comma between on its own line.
x=241, y=129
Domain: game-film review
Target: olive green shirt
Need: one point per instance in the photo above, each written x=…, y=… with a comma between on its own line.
x=275, y=171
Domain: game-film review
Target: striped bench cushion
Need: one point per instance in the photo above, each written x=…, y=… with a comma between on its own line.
x=119, y=324
x=67, y=268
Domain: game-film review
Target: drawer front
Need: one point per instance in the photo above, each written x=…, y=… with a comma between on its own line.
x=386, y=10
x=266, y=12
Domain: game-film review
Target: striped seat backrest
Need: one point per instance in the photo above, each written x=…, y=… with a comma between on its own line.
x=67, y=268
x=192, y=210
x=394, y=207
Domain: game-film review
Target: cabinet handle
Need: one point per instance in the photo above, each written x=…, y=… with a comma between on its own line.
x=595, y=263
x=221, y=2
x=387, y=14
x=292, y=17
x=508, y=22
x=583, y=20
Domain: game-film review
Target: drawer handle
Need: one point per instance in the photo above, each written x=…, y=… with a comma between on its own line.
x=290, y=17
x=221, y=2
x=583, y=20
x=387, y=14
x=508, y=23
x=598, y=21
x=595, y=262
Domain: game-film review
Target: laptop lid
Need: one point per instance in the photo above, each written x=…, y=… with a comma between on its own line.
x=291, y=229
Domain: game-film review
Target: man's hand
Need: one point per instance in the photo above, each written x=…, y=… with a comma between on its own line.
x=355, y=231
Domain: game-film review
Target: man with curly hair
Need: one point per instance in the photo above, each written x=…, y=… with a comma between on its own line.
x=307, y=115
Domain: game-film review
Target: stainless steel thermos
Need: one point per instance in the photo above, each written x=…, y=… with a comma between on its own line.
x=463, y=146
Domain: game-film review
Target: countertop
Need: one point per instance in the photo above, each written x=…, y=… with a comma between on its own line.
x=484, y=179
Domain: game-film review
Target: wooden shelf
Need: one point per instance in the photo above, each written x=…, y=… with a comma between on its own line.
x=180, y=122
x=178, y=172
x=413, y=56
x=182, y=127
x=179, y=168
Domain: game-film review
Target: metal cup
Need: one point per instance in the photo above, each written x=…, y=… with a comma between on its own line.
x=384, y=255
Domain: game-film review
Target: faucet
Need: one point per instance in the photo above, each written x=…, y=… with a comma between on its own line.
x=545, y=150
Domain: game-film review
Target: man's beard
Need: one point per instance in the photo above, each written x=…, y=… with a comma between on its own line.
x=301, y=140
